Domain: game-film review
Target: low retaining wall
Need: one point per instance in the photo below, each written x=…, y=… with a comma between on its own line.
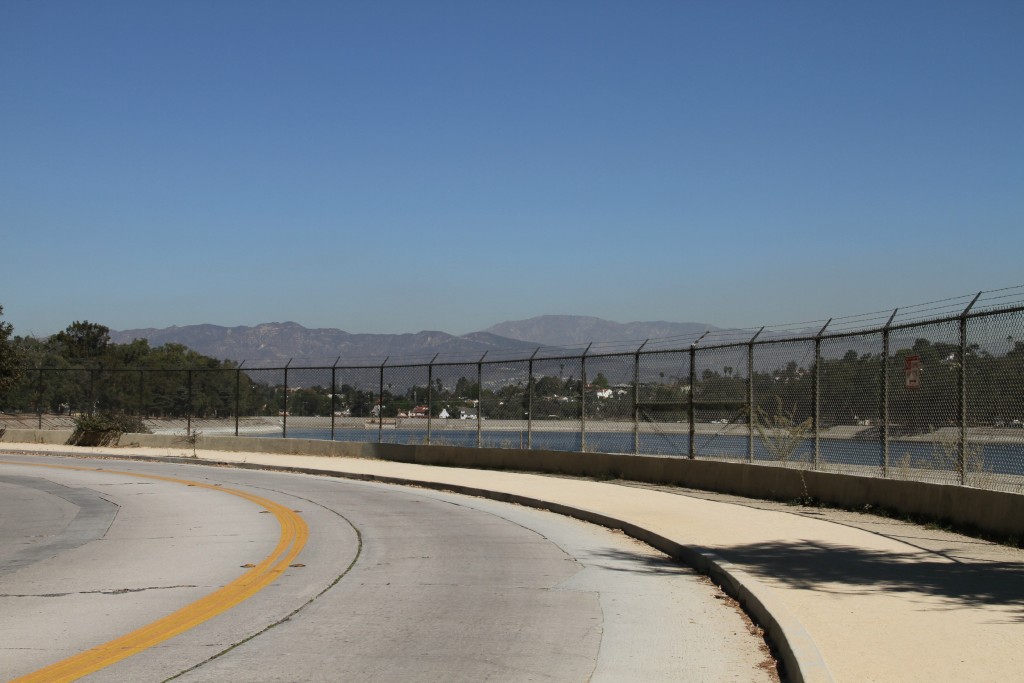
x=992, y=512
x=47, y=436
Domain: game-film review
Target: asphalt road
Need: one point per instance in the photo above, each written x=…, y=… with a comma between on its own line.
x=196, y=578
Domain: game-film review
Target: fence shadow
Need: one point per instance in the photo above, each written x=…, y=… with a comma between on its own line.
x=653, y=563
x=846, y=569
x=843, y=569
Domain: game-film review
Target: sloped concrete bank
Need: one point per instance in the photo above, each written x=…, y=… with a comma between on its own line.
x=992, y=512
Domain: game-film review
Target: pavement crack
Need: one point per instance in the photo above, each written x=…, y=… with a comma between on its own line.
x=109, y=591
x=121, y=591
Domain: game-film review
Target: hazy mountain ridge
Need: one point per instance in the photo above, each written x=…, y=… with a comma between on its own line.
x=282, y=341
x=573, y=330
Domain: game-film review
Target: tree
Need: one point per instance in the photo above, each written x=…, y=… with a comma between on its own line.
x=465, y=388
x=548, y=386
x=10, y=358
x=82, y=340
x=362, y=403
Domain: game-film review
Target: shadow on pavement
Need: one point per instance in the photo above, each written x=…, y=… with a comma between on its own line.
x=640, y=563
x=845, y=569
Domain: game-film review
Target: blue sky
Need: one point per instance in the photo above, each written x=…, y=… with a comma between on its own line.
x=400, y=166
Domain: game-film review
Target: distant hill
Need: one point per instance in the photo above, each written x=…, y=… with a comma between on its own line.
x=289, y=340
x=574, y=330
x=282, y=341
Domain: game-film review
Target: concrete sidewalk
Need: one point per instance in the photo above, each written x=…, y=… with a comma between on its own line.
x=845, y=601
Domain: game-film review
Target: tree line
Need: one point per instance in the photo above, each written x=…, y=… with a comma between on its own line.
x=79, y=370
x=850, y=390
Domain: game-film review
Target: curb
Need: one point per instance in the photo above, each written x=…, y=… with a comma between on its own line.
x=801, y=660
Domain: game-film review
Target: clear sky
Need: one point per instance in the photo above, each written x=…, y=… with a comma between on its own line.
x=399, y=166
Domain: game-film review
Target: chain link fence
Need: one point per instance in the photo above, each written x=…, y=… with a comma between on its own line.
x=662, y=388
x=850, y=376
x=931, y=393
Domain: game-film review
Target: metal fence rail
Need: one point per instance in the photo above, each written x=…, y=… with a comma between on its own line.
x=933, y=393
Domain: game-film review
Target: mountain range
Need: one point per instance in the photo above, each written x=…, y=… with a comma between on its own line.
x=289, y=340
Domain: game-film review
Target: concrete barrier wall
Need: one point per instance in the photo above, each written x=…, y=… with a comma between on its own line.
x=988, y=511
x=47, y=436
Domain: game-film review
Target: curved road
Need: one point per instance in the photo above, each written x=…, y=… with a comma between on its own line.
x=150, y=571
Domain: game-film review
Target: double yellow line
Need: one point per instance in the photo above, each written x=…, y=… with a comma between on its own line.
x=294, y=534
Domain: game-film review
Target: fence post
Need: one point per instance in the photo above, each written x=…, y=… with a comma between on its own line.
x=380, y=404
x=39, y=400
x=883, y=429
x=92, y=389
x=962, y=391
x=284, y=416
x=816, y=394
x=188, y=409
x=479, y=398
x=693, y=388
x=430, y=395
x=142, y=394
x=583, y=399
x=238, y=395
x=636, y=398
x=750, y=396
x=529, y=402
x=692, y=447
x=334, y=398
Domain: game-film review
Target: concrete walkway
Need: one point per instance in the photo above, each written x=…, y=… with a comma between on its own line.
x=846, y=597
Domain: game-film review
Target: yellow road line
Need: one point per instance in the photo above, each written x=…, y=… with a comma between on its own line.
x=294, y=534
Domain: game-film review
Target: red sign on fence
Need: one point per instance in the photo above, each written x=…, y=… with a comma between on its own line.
x=912, y=367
